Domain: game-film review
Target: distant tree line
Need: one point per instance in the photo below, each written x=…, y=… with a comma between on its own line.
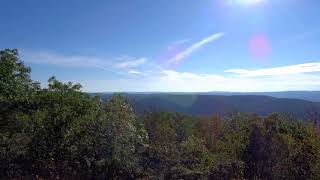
x=59, y=132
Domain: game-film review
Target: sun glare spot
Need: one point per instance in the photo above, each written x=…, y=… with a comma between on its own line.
x=246, y=2
x=260, y=46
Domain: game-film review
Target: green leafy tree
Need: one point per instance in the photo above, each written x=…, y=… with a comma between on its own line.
x=14, y=76
x=196, y=160
x=55, y=128
x=210, y=129
x=121, y=139
x=59, y=132
x=16, y=95
x=163, y=155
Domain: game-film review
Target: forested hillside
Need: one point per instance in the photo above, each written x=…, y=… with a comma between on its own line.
x=197, y=104
x=313, y=96
x=60, y=132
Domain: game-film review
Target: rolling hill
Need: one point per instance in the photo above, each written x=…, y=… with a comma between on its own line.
x=313, y=96
x=199, y=104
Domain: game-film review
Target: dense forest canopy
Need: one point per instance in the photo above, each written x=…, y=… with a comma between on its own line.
x=61, y=132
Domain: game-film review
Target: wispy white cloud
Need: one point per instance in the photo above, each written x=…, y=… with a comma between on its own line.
x=122, y=62
x=189, y=82
x=188, y=51
x=150, y=77
x=284, y=70
x=182, y=41
x=130, y=62
x=136, y=72
x=178, y=43
x=174, y=81
x=63, y=60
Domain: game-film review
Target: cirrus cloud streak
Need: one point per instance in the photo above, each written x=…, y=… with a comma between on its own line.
x=174, y=81
x=194, y=47
x=50, y=58
x=283, y=70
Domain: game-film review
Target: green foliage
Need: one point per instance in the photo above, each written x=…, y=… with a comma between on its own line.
x=122, y=137
x=60, y=132
x=14, y=76
x=196, y=160
x=162, y=154
x=210, y=129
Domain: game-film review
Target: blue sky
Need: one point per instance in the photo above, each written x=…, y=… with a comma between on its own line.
x=182, y=45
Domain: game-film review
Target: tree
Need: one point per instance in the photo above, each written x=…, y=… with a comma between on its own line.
x=163, y=155
x=122, y=138
x=210, y=129
x=57, y=128
x=16, y=95
x=59, y=132
x=14, y=76
x=302, y=160
x=196, y=160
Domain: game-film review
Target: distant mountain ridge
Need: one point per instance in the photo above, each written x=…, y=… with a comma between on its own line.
x=313, y=96
x=208, y=104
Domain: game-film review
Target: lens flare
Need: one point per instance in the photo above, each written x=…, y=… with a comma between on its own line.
x=260, y=46
x=246, y=2
x=250, y=1
x=170, y=52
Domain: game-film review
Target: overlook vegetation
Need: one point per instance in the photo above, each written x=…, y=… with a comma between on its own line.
x=60, y=132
